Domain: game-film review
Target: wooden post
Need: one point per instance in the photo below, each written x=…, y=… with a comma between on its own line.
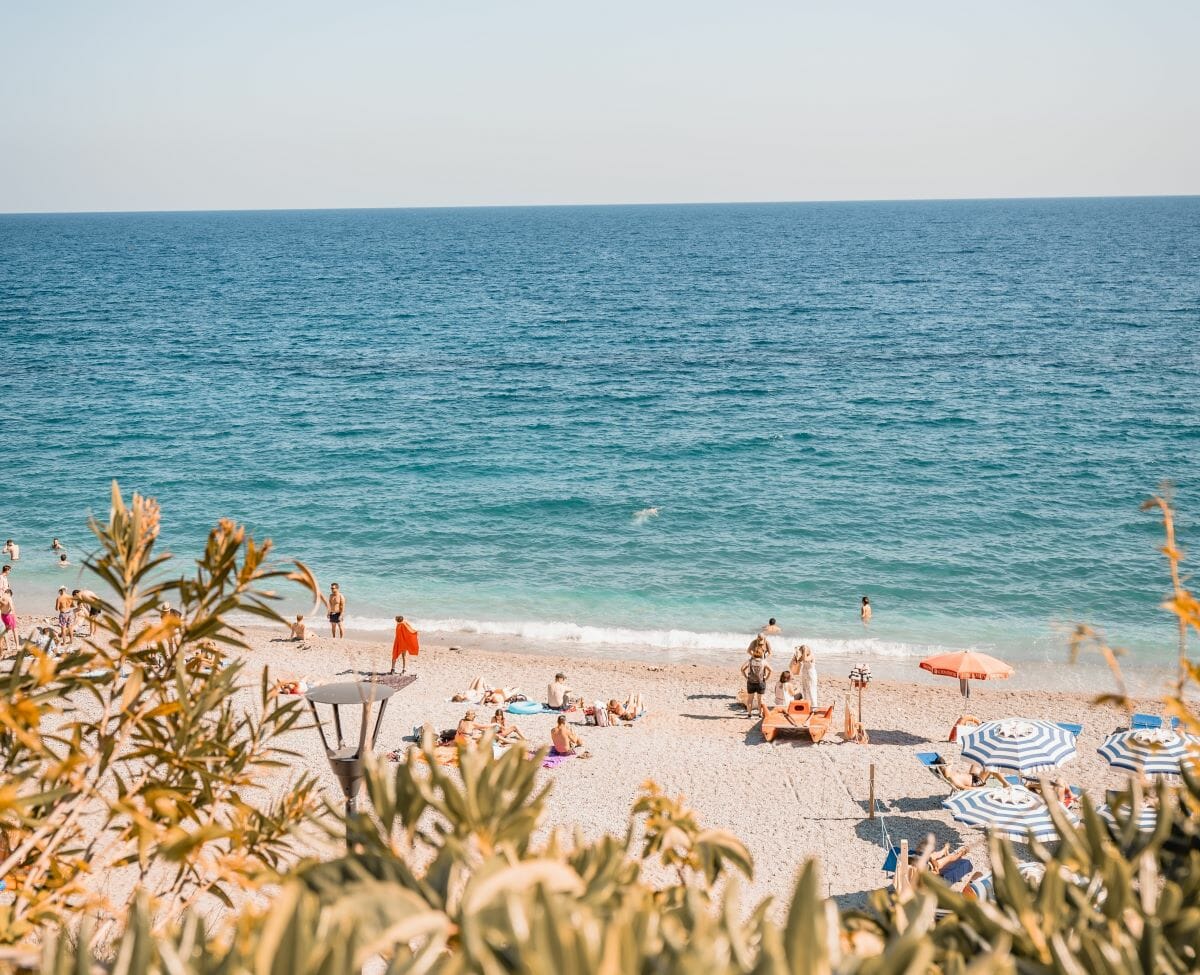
x=872, y=799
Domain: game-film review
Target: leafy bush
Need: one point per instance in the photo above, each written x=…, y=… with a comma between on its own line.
x=443, y=876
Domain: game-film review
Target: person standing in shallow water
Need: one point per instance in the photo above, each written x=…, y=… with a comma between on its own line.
x=337, y=609
x=864, y=612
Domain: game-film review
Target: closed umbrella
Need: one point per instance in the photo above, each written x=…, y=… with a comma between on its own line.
x=1027, y=747
x=1152, y=751
x=1011, y=812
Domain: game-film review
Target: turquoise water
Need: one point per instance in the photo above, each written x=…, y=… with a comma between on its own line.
x=955, y=408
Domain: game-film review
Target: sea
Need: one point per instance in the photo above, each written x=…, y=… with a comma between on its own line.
x=637, y=431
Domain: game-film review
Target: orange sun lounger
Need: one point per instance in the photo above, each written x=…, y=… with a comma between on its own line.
x=800, y=717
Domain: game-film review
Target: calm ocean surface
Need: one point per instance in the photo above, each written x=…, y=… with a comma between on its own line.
x=955, y=408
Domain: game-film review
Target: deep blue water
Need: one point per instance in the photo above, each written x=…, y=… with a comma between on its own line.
x=953, y=407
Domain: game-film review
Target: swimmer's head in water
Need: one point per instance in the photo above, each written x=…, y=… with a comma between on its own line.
x=771, y=621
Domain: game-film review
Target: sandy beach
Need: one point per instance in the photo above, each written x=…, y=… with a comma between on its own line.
x=788, y=801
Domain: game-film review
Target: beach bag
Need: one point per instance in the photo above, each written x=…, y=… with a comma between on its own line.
x=601, y=714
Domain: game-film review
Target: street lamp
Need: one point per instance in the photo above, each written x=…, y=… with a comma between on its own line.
x=347, y=763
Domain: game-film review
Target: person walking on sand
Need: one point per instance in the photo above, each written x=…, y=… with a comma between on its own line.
x=757, y=672
x=337, y=609
x=405, y=642
x=5, y=579
x=864, y=611
x=8, y=620
x=64, y=605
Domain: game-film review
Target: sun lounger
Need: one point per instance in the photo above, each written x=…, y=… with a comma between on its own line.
x=799, y=717
x=1075, y=729
x=1142, y=721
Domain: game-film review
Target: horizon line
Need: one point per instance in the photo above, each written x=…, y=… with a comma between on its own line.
x=548, y=206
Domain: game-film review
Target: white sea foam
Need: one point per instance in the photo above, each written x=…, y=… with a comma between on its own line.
x=558, y=632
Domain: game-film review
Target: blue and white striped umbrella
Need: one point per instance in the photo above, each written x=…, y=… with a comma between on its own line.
x=1154, y=751
x=1012, y=812
x=1147, y=817
x=1023, y=746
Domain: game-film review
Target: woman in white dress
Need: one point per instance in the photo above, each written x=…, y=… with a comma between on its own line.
x=805, y=667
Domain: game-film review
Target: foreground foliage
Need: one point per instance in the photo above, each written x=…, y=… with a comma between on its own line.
x=446, y=875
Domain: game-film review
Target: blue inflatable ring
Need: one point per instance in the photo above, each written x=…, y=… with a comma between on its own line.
x=525, y=707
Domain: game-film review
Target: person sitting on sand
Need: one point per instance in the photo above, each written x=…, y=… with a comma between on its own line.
x=757, y=672
x=504, y=730
x=299, y=629
x=628, y=711
x=563, y=740
x=785, y=693
x=558, y=693
x=467, y=731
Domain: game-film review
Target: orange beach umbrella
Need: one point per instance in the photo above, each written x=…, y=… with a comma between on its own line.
x=966, y=665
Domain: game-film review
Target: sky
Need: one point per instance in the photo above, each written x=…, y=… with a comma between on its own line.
x=258, y=105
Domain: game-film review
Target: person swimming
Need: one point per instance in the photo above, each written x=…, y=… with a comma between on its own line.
x=643, y=516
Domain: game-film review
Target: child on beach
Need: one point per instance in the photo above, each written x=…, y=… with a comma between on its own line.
x=757, y=673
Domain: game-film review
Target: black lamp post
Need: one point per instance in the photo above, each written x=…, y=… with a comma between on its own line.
x=347, y=763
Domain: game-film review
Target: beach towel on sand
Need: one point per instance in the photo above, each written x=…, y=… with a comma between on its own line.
x=405, y=641
x=554, y=761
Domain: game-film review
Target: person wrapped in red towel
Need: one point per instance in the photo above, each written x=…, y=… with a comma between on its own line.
x=405, y=644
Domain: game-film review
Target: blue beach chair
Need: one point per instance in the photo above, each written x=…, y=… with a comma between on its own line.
x=1143, y=721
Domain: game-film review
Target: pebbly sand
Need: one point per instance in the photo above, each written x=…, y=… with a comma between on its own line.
x=788, y=801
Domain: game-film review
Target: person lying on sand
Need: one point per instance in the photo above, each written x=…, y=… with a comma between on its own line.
x=627, y=711
x=480, y=691
x=975, y=777
x=563, y=740
x=504, y=730
x=467, y=732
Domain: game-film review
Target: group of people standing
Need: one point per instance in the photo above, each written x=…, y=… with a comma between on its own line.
x=796, y=681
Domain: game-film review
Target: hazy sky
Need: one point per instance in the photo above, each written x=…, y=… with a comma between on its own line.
x=161, y=105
